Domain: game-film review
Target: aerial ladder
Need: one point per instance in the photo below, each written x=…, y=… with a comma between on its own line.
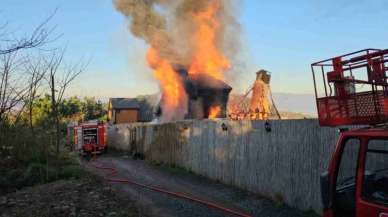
x=352, y=90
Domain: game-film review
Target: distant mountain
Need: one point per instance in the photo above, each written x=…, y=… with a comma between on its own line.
x=290, y=105
x=299, y=103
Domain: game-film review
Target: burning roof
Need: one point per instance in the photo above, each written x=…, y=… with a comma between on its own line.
x=124, y=103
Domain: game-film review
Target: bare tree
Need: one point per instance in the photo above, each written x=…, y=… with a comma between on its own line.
x=59, y=79
x=36, y=70
x=38, y=38
x=14, y=87
x=24, y=63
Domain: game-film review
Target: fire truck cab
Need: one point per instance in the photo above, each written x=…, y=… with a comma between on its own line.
x=352, y=90
x=90, y=137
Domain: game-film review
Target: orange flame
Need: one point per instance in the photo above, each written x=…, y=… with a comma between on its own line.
x=207, y=58
x=214, y=112
x=174, y=99
x=260, y=106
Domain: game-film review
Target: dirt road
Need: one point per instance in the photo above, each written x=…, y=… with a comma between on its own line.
x=157, y=204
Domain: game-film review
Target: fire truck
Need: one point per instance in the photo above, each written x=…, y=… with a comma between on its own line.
x=90, y=138
x=352, y=93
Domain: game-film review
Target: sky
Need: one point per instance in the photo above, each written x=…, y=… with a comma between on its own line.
x=283, y=37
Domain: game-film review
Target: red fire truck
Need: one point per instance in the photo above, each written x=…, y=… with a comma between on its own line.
x=352, y=89
x=90, y=137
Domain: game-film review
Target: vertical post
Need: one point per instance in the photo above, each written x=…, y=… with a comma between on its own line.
x=315, y=89
x=324, y=79
x=55, y=113
x=315, y=85
x=355, y=96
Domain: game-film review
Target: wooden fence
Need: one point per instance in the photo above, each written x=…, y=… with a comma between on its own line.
x=283, y=164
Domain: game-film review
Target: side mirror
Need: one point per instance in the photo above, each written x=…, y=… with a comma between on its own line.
x=325, y=190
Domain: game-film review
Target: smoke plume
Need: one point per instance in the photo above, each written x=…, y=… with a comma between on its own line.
x=200, y=35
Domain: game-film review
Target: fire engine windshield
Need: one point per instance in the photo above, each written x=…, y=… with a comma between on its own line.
x=375, y=187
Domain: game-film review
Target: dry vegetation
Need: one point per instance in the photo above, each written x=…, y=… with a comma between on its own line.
x=33, y=111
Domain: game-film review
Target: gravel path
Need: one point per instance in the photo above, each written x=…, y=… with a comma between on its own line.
x=157, y=204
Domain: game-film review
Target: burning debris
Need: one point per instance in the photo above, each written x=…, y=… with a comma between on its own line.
x=260, y=107
x=189, y=33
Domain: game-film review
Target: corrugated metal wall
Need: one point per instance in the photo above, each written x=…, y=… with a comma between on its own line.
x=284, y=164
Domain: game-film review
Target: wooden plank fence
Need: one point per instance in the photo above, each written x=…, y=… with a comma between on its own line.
x=283, y=164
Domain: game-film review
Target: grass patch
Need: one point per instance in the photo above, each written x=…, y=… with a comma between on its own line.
x=17, y=174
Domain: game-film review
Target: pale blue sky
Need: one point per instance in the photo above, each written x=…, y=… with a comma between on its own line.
x=283, y=37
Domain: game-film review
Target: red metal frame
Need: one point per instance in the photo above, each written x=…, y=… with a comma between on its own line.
x=353, y=88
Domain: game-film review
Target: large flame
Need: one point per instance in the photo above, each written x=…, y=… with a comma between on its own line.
x=174, y=98
x=192, y=34
x=207, y=58
x=188, y=33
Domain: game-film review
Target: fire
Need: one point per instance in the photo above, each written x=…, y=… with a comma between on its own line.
x=174, y=97
x=260, y=106
x=236, y=113
x=214, y=111
x=207, y=58
x=186, y=34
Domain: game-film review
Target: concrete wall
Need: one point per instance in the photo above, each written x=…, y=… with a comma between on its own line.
x=282, y=164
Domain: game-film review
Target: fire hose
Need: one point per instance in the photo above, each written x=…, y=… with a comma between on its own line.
x=113, y=172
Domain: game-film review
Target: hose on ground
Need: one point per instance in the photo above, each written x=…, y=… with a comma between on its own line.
x=113, y=172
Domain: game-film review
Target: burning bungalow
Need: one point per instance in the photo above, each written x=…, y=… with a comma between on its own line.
x=195, y=34
x=207, y=97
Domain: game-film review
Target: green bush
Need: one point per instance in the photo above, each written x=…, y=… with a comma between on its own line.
x=37, y=171
x=28, y=154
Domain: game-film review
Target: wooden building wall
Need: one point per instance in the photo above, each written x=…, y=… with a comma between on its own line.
x=126, y=116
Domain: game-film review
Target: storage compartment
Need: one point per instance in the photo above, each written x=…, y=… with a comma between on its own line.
x=90, y=136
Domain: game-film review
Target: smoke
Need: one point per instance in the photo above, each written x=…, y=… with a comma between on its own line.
x=169, y=26
x=201, y=36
